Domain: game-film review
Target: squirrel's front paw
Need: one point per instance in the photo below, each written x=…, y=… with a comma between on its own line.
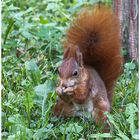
x=59, y=91
x=69, y=90
x=64, y=91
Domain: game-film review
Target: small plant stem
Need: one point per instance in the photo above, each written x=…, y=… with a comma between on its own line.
x=28, y=109
x=8, y=30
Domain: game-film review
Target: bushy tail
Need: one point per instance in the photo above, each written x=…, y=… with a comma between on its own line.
x=96, y=32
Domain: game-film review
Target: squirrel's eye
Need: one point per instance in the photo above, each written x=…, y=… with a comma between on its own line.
x=75, y=73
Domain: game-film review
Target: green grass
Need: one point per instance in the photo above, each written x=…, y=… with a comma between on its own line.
x=32, y=33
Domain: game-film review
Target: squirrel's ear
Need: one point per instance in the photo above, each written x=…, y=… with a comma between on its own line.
x=79, y=57
x=66, y=52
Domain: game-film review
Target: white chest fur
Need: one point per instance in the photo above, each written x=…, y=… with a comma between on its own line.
x=84, y=110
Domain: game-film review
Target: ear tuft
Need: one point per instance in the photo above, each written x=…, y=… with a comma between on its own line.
x=79, y=57
x=66, y=52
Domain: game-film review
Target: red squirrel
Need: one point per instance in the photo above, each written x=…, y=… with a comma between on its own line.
x=92, y=62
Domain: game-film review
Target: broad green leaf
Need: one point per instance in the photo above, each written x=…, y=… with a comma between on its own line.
x=130, y=112
x=44, y=133
x=130, y=66
x=124, y=137
x=28, y=101
x=43, y=89
x=43, y=21
x=41, y=133
x=26, y=34
x=16, y=119
x=131, y=109
x=101, y=135
x=33, y=71
x=31, y=65
x=71, y=128
x=12, y=7
x=136, y=135
x=42, y=92
x=52, y=6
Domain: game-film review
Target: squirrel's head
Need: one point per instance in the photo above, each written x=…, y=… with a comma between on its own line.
x=70, y=71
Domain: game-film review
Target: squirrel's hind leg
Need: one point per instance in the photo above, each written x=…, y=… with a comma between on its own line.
x=63, y=109
x=100, y=118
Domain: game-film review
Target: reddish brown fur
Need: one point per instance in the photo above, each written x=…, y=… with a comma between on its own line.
x=67, y=67
x=100, y=117
x=63, y=108
x=82, y=92
x=96, y=33
x=92, y=42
